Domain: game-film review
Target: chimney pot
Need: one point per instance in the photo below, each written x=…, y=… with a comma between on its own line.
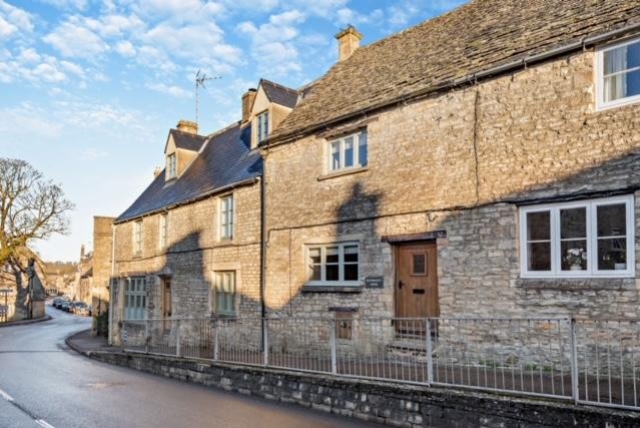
x=157, y=171
x=348, y=42
x=187, y=126
x=247, y=103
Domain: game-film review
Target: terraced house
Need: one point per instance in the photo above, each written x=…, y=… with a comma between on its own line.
x=190, y=245
x=482, y=163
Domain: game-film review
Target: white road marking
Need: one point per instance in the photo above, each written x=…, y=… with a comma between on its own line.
x=44, y=423
x=6, y=396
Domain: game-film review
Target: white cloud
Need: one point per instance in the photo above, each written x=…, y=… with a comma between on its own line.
x=346, y=16
x=125, y=48
x=324, y=8
x=29, y=56
x=48, y=73
x=198, y=43
x=67, y=4
x=72, y=39
x=174, y=91
x=30, y=120
x=13, y=20
x=251, y=5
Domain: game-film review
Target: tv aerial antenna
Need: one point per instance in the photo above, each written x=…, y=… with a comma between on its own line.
x=201, y=78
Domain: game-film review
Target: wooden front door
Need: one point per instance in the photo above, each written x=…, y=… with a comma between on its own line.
x=416, y=286
x=166, y=304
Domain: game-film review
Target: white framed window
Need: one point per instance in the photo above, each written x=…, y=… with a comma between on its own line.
x=618, y=74
x=224, y=292
x=135, y=299
x=263, y=126
x=333, y=264
x=348, y=152
x=163, y=229
x=172, y=166
x=227, y=212
x=137, y=238
x=592, y=238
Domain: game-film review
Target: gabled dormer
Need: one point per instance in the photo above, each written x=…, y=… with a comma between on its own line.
x=266, y=107
x=182, y=147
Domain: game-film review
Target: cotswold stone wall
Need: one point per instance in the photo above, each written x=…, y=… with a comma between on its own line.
x=389, y=404
x=192, y=255
x=460, y=163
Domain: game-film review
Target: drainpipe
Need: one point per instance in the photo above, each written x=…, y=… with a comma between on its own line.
x=263, y=251
x=111, y=287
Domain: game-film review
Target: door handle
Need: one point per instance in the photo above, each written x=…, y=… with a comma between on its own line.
x=400, y=284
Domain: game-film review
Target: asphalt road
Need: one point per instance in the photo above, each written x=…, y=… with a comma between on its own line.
x=45, y=384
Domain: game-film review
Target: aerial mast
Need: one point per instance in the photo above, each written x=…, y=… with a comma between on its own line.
x=201, y=78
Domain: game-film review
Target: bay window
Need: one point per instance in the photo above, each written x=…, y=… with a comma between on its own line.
x=578, y=239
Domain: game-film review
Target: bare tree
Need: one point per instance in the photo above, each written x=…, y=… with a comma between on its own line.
x=31, y=209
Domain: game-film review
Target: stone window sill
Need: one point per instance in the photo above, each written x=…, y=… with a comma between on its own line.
x=348, y=289
x=576, y=284
x=343, y=172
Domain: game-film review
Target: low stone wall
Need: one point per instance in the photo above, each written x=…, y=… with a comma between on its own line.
x=390, y=404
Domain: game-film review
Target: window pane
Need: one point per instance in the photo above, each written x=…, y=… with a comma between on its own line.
x=632, y=83
x=333, y=273
x=612, y=220
x=615, y=60
x=335, y=155
x=574, y=255
x=363, y=155
x=316, y=273
x=419, y=264
x=612, y=254
x=348, y=152
x=351, y=272
x=538, y=226
x=332, y=255
x=573, y=223
x=351, y=254
x=539, y=256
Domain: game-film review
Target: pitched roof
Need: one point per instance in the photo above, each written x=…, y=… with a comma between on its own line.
x=225, y=160
x=473, y=38
x=279, y=94
x=187, y=140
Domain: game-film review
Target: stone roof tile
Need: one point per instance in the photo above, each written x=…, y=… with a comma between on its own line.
x=470, y=39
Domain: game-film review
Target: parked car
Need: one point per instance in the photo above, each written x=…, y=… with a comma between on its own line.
x=56, y=302
x=64, y=306
x=81, y=308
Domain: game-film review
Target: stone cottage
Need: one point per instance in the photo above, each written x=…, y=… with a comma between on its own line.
x=483, y=163
x=190, y=245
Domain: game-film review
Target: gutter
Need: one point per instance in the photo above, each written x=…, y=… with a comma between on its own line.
x=448, y=85
x=223, y=189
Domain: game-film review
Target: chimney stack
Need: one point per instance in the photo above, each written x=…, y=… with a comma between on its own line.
x=348, y=42
x=187, y=126
x=247, y=103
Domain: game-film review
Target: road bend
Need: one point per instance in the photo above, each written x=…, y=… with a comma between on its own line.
x=45, y=384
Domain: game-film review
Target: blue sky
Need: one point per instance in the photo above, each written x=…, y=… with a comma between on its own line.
x=90, y=88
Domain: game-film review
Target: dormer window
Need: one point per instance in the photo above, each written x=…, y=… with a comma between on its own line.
x=263, y=126
x=172, y=166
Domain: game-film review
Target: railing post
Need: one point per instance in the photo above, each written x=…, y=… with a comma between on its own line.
x=265, y=336
x=429, y=353
x=216, y=346
x=146, y=336
x=178, y=342
x=574, y=360
x=334, y=350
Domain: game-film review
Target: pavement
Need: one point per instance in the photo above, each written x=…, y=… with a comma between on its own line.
x=23, y=322
x=84, y=343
